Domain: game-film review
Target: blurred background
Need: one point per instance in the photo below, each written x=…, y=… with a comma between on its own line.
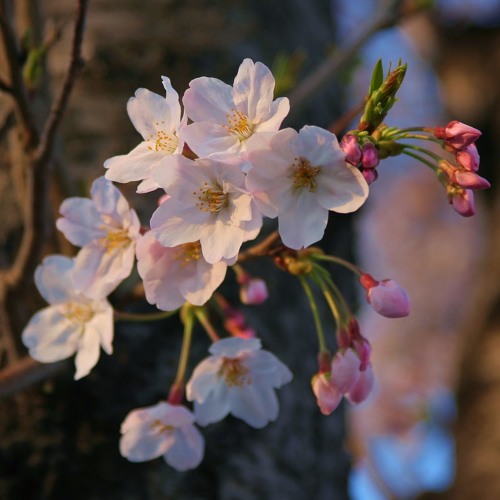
x=432, y=427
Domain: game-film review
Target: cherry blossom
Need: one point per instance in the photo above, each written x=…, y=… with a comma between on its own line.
x=226, y=117
x=386, y=297
x=162, y=430
x=208, y=203
x=174, y=275
x=298, y=178
x=158, y=120
x=72, y=323
x=238, y=378
x=106, y=229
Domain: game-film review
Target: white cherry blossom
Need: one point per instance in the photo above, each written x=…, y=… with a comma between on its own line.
x=106, y=229
x=226, y=118
x=162, y=429
x=72, y=323
x=208, y=203
x=298, y=178
x=174, y=275
x=158, y=120
x=238, y=378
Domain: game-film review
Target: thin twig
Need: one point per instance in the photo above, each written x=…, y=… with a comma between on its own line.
x=261, y=248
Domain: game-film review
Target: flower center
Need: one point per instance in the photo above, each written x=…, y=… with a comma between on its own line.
x=163, y=141
x=114, y=238
x=158, y=426
x=211, y=198
x=78, y=313
x=239, y=125
x=187, y=252
x=234, y=372
x=304, y=175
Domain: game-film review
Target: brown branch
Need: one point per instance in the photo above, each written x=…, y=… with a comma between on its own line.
x=17, y=87
x=260, y=249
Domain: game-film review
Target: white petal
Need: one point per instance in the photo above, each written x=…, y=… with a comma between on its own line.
x=188, y=449
x=256, y=405
x=267, y=369
x=214, y=408
x=53, y=279
x=50, y=337
x=232, y=347
x=279, y=110
x=207, y=138
x=88, y=353
x=140, y=445
x=172, y=100
x=203, y=380
x=80, y=222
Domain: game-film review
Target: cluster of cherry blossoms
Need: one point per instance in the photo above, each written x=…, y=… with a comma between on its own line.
x=222, y=164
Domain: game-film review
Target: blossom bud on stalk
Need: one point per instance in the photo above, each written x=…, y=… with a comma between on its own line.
x=386, y=297
x=350, y=146
x=462, y=201
x=253, y=291
x=468, y=158
x=369, y=157
x=457, y=134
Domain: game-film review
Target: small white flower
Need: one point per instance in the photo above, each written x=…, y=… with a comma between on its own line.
x=226, y=117
x=208, y=203
x=162, y=429
x=240, y=379
x=71, y=324
x=178, y=274
x=106, y=229
x=159, y=122
x=298, y=178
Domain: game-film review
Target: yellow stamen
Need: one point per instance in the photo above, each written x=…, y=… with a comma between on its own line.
x=115, y=238
x=78, y=312
x=234, y=372
x=158, y=426
x=211, y=198
x=304, y=175
x=187, y=252
x=163, y=141
x=239, y=125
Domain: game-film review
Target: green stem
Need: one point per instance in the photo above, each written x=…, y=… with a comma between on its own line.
x=185, y=349
x=420, y=159
x=205, y=322
x=156, y=316
x=338, y=260
x=314, y=308
x=422, y=150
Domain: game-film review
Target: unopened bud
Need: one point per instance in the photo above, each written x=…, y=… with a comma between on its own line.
x=350, y=146
x=469, y=158
x=457, y=134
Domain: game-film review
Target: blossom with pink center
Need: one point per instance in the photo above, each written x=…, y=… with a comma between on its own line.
x=158, y=120
x=299, y=177
x=457, y=134
x=162, y=430
x=225, y=118
x=208, y=203
x=175, y=275
x=106, y=228
x=238, y=378
x=386, y=297
x=469, y=158
x=253, y=291
x=72, y=323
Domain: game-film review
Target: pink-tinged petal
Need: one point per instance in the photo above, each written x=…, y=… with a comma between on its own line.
x=205, y=280
x=319, y=146
x=220, y=241
x=328, y=396
x=253, y=90
x=389, y=299
x=53, y=279
x=172, y=100
x=279, y=110
x=150, y=112
x=208, y=99
x=345, y=370
x=251, y=228
x=147, y=186
x=142, y=417
x=187, y=450
x=234, y=347
x=254, y=292
x=267, y=369
x=204, y=380
x=302, y=222
x=134, y=166
x=50, y=337
x=107, y=198
x=469, y=158
x=88, y=353
x=80, y=221
x=350, y=146
x=463, y=203
x=208, y=138
x=102, y=325
x=470, y=180
x=257, y=405
x=341, y=188
x=140, y=445
x=363, y=386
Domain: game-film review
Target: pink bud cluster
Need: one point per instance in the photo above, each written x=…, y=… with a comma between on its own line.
x=348, y=374
x=365, y=157
x=462, y=179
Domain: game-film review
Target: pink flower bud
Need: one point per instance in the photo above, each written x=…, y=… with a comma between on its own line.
x=469, y=158
x=463, y=202
x=327, y=395
x=363, y=386
x=364, y=351
x=470, y=180
x=457, y=134
x=388, y=299
x=369, y=155
x=370, y=175
x=350, y=146
x=254, y=292
x=345, y=370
